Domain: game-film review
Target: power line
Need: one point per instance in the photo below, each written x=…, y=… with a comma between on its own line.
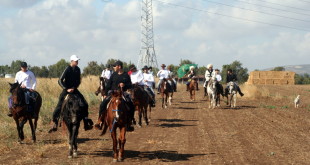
x=244, y=19
x=296, y=19
x=283, y=5
x=268, y=7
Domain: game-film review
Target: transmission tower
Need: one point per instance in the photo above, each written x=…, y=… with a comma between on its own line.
x=147, y=54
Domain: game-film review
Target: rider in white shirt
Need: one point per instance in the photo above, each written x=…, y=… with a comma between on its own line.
x=161, y=74
x=106, y=73
x=208, y=75
x=148, y=84
x=136, y=76
x=27, y=80
x=219, y=79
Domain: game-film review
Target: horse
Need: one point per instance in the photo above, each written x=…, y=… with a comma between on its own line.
x=71, y=115
x=212, y=92
x=232, y=92
x=192, y=88
x=101, y=88
x=116, y=117
x=165, y=90
x=21, y=113
x=141, y=101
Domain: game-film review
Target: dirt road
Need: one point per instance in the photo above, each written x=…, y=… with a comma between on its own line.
x=256, y=132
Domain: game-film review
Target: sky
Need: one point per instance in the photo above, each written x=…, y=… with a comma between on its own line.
x=41, y=32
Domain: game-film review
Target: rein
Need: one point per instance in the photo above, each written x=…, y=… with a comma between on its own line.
x=114, y=120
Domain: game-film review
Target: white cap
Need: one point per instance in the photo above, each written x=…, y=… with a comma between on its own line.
x=209, y=65
x=74, y=58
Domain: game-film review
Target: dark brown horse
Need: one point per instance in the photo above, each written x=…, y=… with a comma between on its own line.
x=21, y=113
x=71, y=114
x=141, y=100
x=116, y=117
x=192, y=88
x=101, y=88
x=166, y=93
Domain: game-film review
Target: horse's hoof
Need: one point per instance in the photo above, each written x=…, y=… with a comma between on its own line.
x=75, y=154
x=139, y=125
x=120, y=159
x=69, y=157
x=114, y=160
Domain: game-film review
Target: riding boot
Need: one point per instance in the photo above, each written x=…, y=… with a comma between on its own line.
x=197, y=87
x=54, y=128
x=131, y=117
x=205, y=91
x=10, y=112
x=88, y=124
x=239, y=91
x=187, y=87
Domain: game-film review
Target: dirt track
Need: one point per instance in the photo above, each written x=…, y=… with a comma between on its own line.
x=189, y=133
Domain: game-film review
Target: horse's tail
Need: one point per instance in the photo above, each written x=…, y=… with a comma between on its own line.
x=105, y=128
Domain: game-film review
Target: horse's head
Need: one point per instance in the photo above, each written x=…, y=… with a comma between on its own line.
x=72, y=103
x=117, y=105
x=231, y=85
x=18, y=96
x=212, y=83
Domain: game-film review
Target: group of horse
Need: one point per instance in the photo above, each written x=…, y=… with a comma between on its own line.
x=116, y=115
x=214, y=90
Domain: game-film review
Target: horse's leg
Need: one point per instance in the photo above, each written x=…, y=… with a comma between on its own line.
x=21, y=129
x=140, y=109
x=235, y=99
x=75, y=135
x=121, y=141
x=70, y=139
x=18, y=130
x=170, y=98
x=115, y=153
x=194, y=94
x=166, y=100
x=146, y=120
x=150, y=110
x=33, y=131
x=163, y=99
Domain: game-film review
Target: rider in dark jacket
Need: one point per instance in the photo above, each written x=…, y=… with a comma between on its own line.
x=118, y=79
x=232, y=77
x=69, y=81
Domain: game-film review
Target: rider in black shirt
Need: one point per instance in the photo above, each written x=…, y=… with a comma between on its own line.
x=69, y=81
x=119, y=79
x=232, y=77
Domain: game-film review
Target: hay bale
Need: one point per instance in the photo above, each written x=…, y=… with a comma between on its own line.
x=272, y=77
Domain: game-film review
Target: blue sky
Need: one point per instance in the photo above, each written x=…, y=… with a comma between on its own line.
x=42, y=32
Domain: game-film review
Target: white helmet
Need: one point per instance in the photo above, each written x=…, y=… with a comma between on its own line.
x=191, y=67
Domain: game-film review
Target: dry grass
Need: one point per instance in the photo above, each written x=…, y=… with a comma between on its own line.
x=49, y=90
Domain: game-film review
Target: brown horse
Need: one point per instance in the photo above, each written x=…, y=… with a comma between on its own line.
x=116, y=117
x=21, y=113
x=192, y=88
x=166, y=93
x=141, y=101
x=101, y=87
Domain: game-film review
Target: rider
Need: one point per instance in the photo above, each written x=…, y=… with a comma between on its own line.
x=105, y=75
x=232, y=77
x=191, y=74
x=163, y=73
x=136, y=76
x=218, y=80
x=208, y=75
x=28, y=82
x=148, y=80
x=69, y=81
x=118, y=79
x=171, y=76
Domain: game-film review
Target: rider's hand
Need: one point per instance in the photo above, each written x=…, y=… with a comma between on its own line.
x=23, y=86
x=31, y=90
x=70, y=90
x=121, y=85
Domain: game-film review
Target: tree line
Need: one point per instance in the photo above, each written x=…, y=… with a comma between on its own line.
x=94, y=68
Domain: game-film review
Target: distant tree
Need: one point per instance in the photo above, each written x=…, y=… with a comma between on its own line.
x=182, y=62
x=174, y=68
x=40, y=72
x=236, y=66
x=201, y=71
x=92, y=69
x=57, y=69
x=279, y=68
x=302, y=79
x=15, y=66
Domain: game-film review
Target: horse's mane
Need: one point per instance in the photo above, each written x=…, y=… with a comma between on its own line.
x=13, y=86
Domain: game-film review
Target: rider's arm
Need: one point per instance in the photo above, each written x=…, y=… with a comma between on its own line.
x=62, y=78
x=33, y=79
x=127, y=82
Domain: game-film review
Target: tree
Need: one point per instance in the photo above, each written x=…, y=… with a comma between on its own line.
x=15, y=66
x=279, y=68
x=201, y=70
x=57, y=69
x=174, y=68
x=40, y=72
x=236, y=66
x=92, y=69
x=186, y=62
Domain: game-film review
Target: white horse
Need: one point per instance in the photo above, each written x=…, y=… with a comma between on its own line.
x=232, y=92
x=212, y=92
